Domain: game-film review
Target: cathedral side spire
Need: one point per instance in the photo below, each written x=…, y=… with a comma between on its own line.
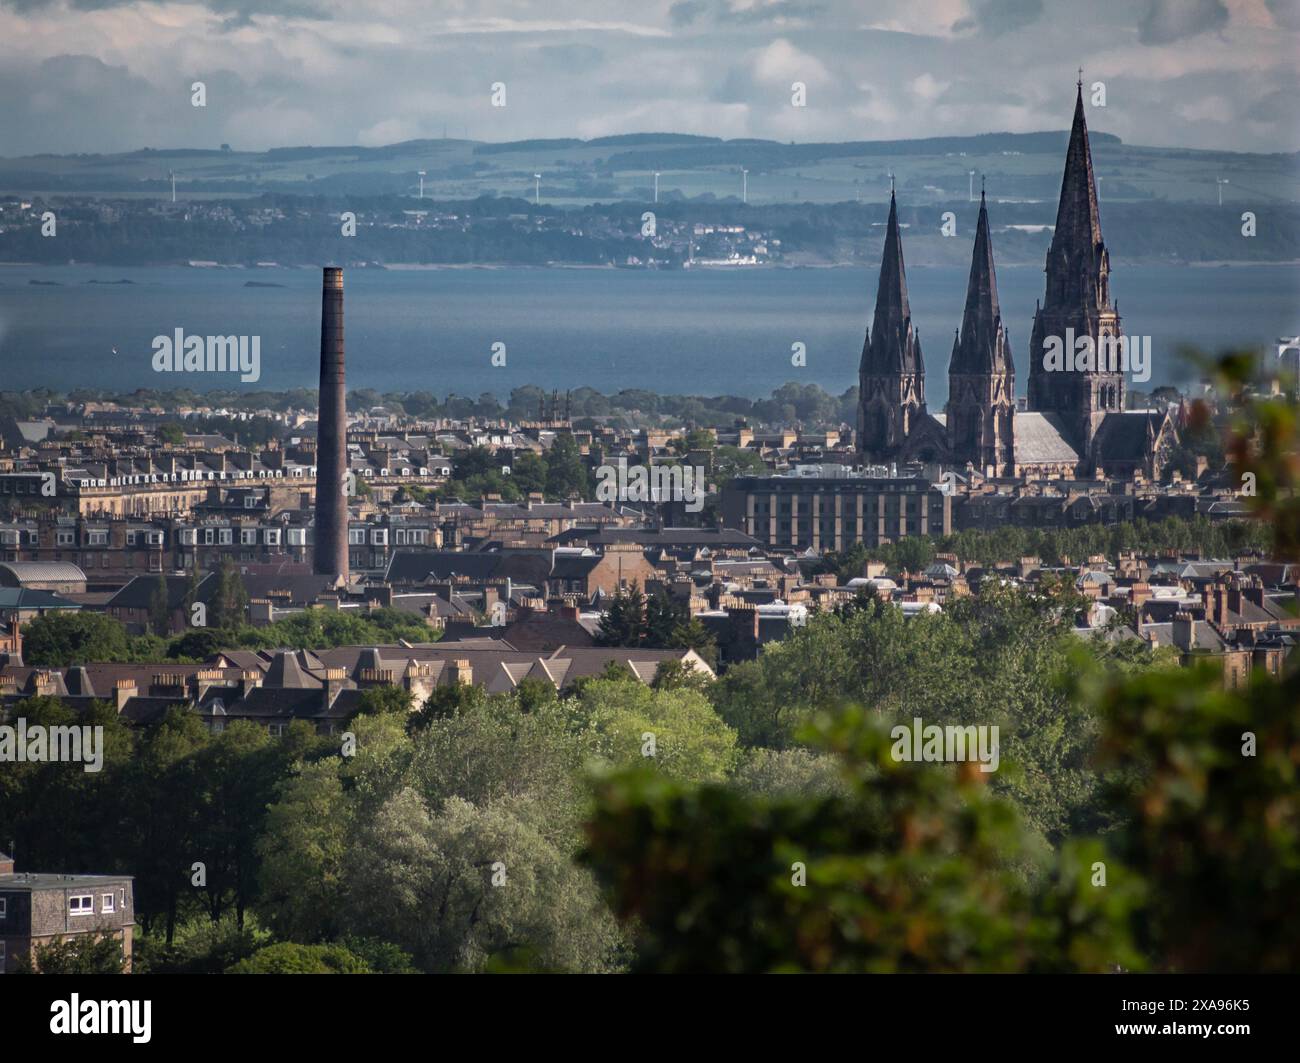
x=891, y=376
x=894, y=347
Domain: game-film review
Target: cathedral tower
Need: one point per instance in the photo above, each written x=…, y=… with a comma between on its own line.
x=1076, y=317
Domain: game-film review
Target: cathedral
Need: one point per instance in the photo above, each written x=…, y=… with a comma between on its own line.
x=1076, y=424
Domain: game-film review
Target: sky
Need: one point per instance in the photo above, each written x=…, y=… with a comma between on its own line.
x=116, y=75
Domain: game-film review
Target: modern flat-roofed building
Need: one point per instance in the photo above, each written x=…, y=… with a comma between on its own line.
x=832, y=513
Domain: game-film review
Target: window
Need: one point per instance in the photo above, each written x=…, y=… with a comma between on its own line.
x=209, y=536
x=130, y=538
x=106, y=903
x=82, y=904
x=121, y=896
x=97, y=538
x=224, y=536
x=4, y=907
x=247, y=536
x=66, y=538
x=356, y=536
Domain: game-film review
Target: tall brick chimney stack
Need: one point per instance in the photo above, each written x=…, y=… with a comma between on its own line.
x=331, y=556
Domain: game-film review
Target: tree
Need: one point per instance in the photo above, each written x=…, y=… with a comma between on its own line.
x=160, y=614
x=303, y=853
x=919, y=868
x=529, y=472
x=387, y=699
x=690, y=634
x=192, y=593
x=677, y=730
x=441, y=806
x=98, y=953
x=230, y=604
x=290, y=958
x=477, y=881
x=62, y=638
x=624, y=620
x=662, y=615
x=565, y=473
x=164, y=802
x=674, y=675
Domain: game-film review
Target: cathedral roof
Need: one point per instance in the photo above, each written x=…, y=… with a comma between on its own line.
x=1042, y=439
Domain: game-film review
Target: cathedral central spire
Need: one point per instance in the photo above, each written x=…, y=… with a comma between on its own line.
x=1077, y=306
x=981, y=376
x=979, y=349
x=1077, y=236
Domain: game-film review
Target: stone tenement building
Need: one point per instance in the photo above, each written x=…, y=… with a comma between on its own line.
x=1076, y=423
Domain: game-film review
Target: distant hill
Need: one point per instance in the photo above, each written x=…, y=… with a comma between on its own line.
x=1022, y=167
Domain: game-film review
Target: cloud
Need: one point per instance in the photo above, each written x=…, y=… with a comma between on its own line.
x=750, y=13
x=98, y=75
x=1285, y=13
x=995, y=17
x=1172, y=20
x=684, y=12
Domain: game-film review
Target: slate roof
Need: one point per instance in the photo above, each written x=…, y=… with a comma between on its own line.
x=568, y=566
x=664, y=537
x=1206, y=638
x=1123, y=436
x=285, y=671
x=417, y=566
x=26, y=598
x=138, y=594
x=1041, y=438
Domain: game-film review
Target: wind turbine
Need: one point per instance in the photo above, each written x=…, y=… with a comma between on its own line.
x=172, y=174
x=421, y=173
x=744, y=185
x=1220, y=181
x=537, y=189
x=656, y=186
